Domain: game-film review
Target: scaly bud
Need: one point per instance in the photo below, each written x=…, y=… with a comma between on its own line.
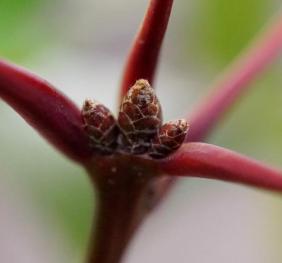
x=139, y=118
x=169, y=138
x=101, y=126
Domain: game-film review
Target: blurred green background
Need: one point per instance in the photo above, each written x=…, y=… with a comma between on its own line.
x=80, y=46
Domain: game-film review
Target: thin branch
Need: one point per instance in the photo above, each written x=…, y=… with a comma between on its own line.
x=51, y=113
x=236, y=79
x=143, y=57
x=209, y=161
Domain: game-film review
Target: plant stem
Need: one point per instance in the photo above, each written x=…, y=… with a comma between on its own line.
x=46, y=109
x=143, y=58
x=210, y=161
x=124, y=199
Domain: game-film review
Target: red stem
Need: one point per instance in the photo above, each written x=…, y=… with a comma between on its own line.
x=209, y=161
x=235, y=80
x=117, y=219
x=51, y=113
x=143, y=57
x=124, y=199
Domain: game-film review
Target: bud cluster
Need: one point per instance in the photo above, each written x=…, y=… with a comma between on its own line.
x=139, y=128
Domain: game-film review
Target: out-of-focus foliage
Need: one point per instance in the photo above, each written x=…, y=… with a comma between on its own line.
x=21, y=31
x=222, y=28
x=217, y=32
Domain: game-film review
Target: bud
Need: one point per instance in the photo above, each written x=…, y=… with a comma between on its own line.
x=101, y=126
x=169, y=138
x=139, y=118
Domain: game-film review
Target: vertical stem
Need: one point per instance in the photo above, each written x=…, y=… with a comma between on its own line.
x=123, y=200
x=143, y=57
x=115, y=223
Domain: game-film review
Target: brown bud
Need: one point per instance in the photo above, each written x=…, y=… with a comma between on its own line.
x=100, y=126
x=139, y=118
x=169, y=139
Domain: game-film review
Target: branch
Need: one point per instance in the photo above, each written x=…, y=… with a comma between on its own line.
x=143, y=57
x=209, y=161
x=235, y=80
x=47, y=110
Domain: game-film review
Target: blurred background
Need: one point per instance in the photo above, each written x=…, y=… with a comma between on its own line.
x=46, y=201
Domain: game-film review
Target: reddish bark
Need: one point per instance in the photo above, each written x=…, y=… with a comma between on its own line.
x=51, y=113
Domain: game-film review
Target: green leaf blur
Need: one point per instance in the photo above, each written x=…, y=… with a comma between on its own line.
x=20, y=33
